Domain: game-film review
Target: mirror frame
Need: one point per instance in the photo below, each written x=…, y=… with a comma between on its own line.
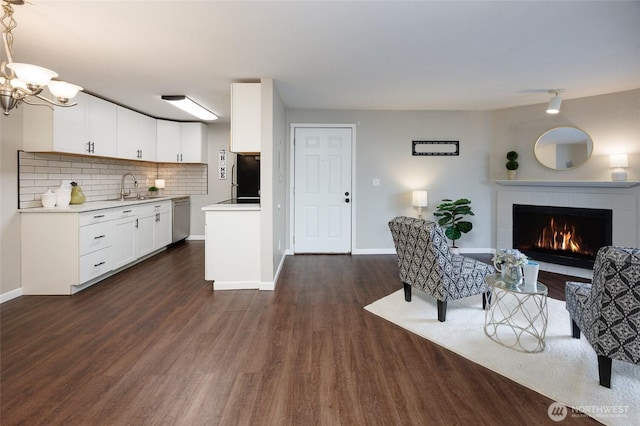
x=538, y=144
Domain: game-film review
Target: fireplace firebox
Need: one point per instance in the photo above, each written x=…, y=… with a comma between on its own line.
x=562, y=235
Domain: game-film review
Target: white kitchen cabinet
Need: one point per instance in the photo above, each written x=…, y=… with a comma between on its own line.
x=163, y=225
x=245, y=117
x=135, y=135
x=146, y=229
x=88, y=128
x=63, y=253
x=125, y=240
x=181, y=142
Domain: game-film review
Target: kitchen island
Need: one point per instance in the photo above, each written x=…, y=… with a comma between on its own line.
x=232, y=244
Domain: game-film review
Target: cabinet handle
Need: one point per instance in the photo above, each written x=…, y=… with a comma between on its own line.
x=140, y=154
x=99, y=236
x=126, y=211
x=180, y=157
x=98, y=264
x=177, y=157
x=98, y=216
x=93, y=147
x=136, y=222
x=89, y=147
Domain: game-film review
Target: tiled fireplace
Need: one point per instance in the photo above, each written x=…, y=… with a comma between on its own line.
x=616, y=206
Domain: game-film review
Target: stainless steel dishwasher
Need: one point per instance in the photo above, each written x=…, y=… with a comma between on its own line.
x=181, y=209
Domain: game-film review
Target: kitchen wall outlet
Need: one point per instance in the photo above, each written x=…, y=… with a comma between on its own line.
x=375, y=182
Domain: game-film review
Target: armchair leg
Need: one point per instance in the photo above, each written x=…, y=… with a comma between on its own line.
x=486, y=299
x=407, y=292
x=442, y=311
x=604, y=370
x=575, y=330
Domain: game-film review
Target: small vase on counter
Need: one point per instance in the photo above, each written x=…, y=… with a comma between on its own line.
x=48, y=199
x=77, y=196
x=63, y=196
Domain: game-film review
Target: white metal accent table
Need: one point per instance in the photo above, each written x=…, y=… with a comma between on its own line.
x=517, y=315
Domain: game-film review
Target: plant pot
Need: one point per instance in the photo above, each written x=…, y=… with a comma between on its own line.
x=454, y=250
x=512, y=174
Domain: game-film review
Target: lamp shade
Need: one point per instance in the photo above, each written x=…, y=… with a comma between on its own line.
x=618, y=160
x=420, y=199
x=160, y=183
x=554, y=105
x=63, y=90
x=32, y=74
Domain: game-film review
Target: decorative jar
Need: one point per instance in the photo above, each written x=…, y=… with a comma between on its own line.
x=77, y=196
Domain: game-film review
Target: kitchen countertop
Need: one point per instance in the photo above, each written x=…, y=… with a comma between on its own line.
x=235, y=205
x=97, y=205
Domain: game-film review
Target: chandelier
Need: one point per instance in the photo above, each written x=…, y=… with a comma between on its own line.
x=24, y=82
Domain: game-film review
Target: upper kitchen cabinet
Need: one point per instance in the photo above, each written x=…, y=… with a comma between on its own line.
x=245, y=117
x=88, y=128
x=181, y=142
x=136, y=135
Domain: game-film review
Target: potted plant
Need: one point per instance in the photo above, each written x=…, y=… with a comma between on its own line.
x=450, y=213
x=153, y=190
x=512, y=165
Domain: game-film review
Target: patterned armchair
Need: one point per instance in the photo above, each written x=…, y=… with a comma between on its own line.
x=607, y=311
x=425, y=262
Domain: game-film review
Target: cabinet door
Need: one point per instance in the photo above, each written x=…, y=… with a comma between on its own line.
x=168, y=141
x=125, y=238
x=127, y=134
x=147, y=137
x=70, y=127
x=193, y=142
x=245, y=117
x=146, y=227
x=163, y=228
x=102, y=127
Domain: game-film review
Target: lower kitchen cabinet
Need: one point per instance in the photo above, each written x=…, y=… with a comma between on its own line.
x=125, y=241
x=62, y=253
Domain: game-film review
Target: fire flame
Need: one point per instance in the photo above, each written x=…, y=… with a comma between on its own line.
x=560, y=237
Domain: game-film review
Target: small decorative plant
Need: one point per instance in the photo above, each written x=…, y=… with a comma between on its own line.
x=510, y=258
x=512, y=164
x=153, y=189
x=450, y=213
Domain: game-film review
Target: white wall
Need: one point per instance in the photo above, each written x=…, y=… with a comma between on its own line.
x=383, y=151
x=10, y=143
x=612, y=121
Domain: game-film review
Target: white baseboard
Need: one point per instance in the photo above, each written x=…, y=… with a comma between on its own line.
x=393, y=251
x=374, y=251
x=10, y=295
x=195, y=238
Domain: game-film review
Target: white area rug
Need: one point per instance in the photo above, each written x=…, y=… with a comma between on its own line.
x=567, y=370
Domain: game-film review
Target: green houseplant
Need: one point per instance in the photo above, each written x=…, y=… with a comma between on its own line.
x=512, y=164
x=153, y=190
x=450, y=214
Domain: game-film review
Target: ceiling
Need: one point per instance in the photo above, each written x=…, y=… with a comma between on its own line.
x=372, y=55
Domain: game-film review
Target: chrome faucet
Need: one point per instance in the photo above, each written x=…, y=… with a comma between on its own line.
x=124, y=194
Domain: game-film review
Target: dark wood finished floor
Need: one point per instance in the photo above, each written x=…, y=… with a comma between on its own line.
x=155, y=345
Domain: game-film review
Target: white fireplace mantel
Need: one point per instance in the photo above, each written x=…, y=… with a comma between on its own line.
x=571, y=183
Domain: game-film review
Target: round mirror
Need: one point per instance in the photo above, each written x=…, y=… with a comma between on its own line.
x=563, y=148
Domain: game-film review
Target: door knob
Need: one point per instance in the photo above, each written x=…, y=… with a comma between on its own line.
x=346, y=200
x=346, y=194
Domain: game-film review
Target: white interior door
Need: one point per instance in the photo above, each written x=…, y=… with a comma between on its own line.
x=322, y=190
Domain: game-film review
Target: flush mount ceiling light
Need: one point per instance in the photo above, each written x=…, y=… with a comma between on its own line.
x=22, y=82
x=554, y=102
x=193, y=108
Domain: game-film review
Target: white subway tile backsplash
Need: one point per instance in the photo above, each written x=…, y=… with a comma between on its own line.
x=100, y=178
